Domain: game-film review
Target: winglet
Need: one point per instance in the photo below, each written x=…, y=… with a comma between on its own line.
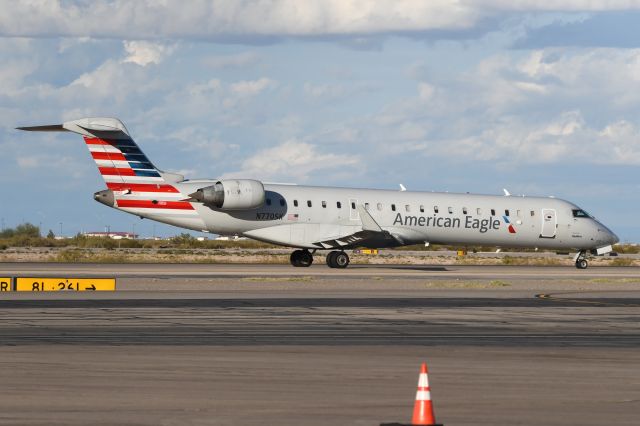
x=368, y=223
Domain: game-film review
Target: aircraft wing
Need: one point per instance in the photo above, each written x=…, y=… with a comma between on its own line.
x=371, y=235
x=366, y=233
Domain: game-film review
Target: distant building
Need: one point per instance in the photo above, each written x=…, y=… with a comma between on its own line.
x=230, y=238
x=112, y=235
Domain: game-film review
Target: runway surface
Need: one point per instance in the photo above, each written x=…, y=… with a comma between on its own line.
x=318, y=269
x=271, y=344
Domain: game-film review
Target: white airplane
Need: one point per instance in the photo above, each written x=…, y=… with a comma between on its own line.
x=312, y=218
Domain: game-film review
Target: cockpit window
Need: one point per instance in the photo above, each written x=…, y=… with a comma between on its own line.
x=580, y=213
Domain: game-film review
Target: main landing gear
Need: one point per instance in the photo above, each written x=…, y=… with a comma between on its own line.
x=581, y=260
x=337, y=259
x=301, y=258
x=304, y=258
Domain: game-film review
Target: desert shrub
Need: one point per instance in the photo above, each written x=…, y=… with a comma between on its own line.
x=70, y=256
x=621, y=261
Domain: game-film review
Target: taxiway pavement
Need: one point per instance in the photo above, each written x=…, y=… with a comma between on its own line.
x=271, y=344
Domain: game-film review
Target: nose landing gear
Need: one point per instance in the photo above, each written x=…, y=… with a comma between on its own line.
x=337, y=259
x=581, y=260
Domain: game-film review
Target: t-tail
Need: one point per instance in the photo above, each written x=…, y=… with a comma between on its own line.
x=134, y=183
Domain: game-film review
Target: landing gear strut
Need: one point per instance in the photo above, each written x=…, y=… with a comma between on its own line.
x=337, y=259
x=581, y=260
x=301, y=258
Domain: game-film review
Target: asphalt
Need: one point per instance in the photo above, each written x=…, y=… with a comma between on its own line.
x=270, y=344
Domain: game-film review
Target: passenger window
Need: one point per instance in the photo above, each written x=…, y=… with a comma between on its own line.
x=464, y=210
x=533, y=213
x=268, y=201
x=421, y=208
x=407, y=208
x=518, y=213
x=493, y=212
x=324, y=204
x=380, y=206
x=393, y=207
x=450, y=210
x=295, y=203
x=353, y=205
x=506, y=213
x=435, y=209
x=282, y=202
x=479, y=211
x=339, y=204
x=308, y=203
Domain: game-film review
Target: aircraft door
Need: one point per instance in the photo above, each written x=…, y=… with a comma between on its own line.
x=353, y=212
x=549, y=223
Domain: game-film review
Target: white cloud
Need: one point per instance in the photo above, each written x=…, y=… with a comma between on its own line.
x=251, y=87
x=425, y=91
x=27, y=162
x=224, y=20
x=325, y=91
x=293, y=159
x=549, y=106
x=144, y=53
x=242, y=59
x=113, y=80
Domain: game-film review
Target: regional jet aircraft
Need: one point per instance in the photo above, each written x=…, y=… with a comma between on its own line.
x=312, y=218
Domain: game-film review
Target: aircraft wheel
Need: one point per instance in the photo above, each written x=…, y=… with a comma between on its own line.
x=331, y=259
x=301, y=258
x=341, y=260
x=582, y=264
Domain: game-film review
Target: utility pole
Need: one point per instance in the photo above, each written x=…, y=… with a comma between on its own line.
x=60, y=229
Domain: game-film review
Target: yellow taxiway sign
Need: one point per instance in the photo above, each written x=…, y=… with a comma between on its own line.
x=65, y=284
x=5, y=284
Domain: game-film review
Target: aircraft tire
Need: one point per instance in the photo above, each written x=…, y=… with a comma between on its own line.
x=341, y=260
x=331, y=259
x=301, y=258
x=295, y=258
x=306, y=258
x=582, y=264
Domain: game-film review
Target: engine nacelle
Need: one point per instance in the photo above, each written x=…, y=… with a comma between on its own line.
x=232, y=194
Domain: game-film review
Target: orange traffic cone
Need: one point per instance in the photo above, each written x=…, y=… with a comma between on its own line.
x=423, y=408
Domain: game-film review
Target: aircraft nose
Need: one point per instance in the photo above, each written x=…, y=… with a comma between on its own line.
x=606, y=235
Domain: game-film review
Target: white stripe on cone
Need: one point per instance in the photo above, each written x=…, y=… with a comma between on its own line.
x=423, y=381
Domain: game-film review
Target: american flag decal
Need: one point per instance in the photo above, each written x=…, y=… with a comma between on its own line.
x=293, y=217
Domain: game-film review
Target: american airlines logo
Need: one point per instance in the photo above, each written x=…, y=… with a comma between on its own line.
x=482, y=225
x=512, y=230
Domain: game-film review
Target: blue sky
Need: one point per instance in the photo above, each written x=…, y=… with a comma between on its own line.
x=451, y=96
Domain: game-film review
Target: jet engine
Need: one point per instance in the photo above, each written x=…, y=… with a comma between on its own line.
x=233, y=194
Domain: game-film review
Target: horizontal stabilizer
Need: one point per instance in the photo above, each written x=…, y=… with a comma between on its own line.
x=49, y=128
x=93, y=127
